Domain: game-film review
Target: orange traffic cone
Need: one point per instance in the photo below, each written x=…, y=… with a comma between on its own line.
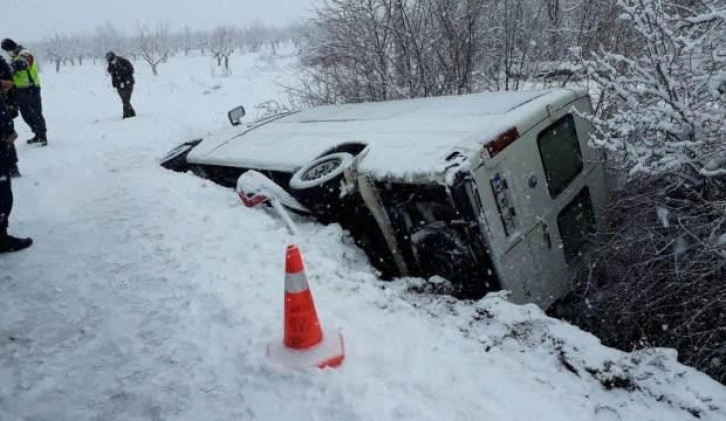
x=305, y=344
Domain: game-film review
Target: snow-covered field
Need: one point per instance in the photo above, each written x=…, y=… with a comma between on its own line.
x=152, y=295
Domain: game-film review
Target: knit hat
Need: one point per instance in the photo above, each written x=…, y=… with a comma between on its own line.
x=8, y=44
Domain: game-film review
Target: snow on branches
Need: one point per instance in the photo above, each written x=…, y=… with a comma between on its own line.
x=668, y=101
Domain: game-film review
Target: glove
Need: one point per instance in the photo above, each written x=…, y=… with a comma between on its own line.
x=6, y=85
x=11, y=137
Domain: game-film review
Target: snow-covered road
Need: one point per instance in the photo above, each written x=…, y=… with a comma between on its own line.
x=152, y=295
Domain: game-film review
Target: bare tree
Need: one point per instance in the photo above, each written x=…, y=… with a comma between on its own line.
x=255, y=35
x=221, y=45
x=108, y=38
x=55, y=48
x=188, y=40
x=381, y=49
x=153, y=45
x=74, y=48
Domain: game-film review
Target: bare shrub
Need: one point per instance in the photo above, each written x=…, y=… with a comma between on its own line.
x=658, y=277
x=665, y=108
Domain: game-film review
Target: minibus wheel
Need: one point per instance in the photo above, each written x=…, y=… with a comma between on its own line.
x=317, y=185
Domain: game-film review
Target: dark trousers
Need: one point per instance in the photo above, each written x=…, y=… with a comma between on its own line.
x=6, y=199
x=125, y=94
x=13, y=153
x=31, y=108
x=8, y=157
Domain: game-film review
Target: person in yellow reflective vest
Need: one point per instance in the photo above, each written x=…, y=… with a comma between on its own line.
x=27, y=89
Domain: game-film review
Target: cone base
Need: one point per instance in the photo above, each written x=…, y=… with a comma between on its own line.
x=328, y=353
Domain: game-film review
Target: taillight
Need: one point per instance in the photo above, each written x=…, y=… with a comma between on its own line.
x=502, y=141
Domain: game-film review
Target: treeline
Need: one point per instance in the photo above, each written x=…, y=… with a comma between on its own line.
x=156, y=43
x=386, y=49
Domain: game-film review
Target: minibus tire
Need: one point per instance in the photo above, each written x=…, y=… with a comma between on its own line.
x=317, y=184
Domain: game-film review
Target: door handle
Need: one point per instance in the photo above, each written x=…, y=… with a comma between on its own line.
x=546, y=235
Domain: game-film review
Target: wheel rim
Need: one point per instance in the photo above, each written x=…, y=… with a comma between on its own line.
x=322, y=169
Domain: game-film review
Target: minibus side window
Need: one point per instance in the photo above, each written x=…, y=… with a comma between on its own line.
x=560, y=152
x=576, y=223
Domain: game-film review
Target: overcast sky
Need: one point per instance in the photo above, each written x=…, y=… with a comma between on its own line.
x=32, y=20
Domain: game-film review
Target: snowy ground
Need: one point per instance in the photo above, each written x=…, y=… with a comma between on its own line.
x=152, y=295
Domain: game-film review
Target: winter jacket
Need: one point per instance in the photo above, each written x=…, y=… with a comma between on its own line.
x=122, y=72
x=25, y=69
x=7, y=74
x=7, y=158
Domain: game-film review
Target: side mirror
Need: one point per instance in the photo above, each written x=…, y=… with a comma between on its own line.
x=255, y=189
x=235, y=115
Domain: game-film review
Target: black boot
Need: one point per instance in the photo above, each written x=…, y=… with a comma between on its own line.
x=38, y=139
x=9, y=243
x=129, y=111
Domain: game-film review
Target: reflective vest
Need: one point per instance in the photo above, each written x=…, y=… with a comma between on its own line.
x=29, y=77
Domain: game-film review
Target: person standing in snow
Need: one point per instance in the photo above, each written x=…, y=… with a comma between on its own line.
x=7, y=93
x=122, y=78
x=7, y=160
x=27, y=89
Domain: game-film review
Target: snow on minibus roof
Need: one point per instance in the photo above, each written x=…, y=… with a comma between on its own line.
x=407, y=138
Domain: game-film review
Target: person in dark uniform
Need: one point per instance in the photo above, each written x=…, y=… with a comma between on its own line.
x=8, y=243
x=122, y=78
x=8, y=94
x=26, y=78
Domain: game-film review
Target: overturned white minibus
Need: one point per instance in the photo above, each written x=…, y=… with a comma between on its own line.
x=490, y=191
